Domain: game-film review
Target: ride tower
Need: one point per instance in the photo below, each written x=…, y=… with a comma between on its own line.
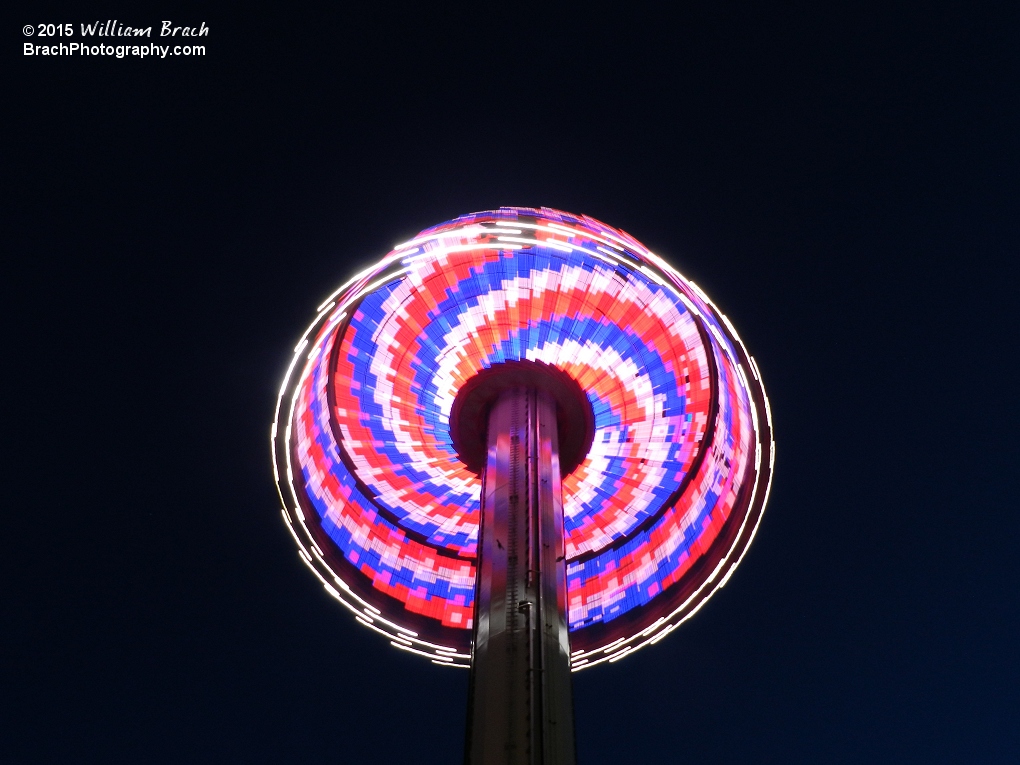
x=524, y=445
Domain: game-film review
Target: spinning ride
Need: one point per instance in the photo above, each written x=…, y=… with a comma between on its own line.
x=525, y=444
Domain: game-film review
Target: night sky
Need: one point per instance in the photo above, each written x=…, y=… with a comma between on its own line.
x=844, y=184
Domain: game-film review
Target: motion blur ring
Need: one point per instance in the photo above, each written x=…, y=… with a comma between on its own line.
x=666, y=434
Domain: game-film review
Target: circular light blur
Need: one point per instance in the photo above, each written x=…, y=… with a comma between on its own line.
x=656, y=516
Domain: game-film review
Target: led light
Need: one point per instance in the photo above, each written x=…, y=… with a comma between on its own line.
x=368, y=465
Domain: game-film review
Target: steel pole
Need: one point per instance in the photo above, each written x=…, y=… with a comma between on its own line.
x=520, y=704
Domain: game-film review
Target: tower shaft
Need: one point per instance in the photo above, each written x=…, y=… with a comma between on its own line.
x=520, y=705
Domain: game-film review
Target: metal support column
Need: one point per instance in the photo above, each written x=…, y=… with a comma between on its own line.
x=520, y=705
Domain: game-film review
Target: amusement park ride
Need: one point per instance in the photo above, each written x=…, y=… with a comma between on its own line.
x=524, y=445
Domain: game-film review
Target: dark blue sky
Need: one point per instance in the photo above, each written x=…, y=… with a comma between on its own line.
x=843, y=183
